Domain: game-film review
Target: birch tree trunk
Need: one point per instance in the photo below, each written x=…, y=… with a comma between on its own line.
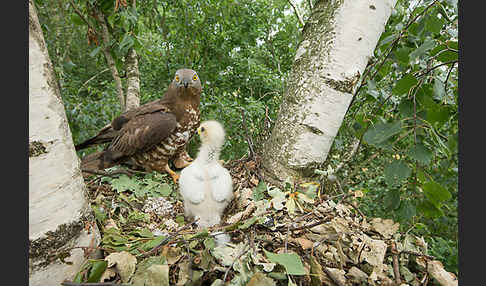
x=133, y=80
x=59, y=214
x=338, y=39
x=133, y=76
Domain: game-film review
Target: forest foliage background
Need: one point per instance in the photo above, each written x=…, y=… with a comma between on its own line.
x=405, y=111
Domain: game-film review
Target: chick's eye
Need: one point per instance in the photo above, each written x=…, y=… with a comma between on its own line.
x=176, y=78
x=202, y=129
x=194, y=78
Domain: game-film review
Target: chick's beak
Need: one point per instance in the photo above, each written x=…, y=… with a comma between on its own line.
x=199, y=131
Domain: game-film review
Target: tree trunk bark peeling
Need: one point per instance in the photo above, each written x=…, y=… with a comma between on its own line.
x=338, y=39
x=133, y=80
x=59, y=212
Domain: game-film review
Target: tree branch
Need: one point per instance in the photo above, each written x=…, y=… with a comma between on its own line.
x=105, y=35
x=297, y=13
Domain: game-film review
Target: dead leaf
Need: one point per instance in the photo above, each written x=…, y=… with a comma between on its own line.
x=356, y=275
x=385, y=227
x=304, y=243
x=260, y=279
x=158, y=275
x=124, y=264
x=374, y=251
x=108, y=274
x=110, y=223
x=436, y=270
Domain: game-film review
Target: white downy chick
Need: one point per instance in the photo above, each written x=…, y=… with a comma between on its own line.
x=205, y=185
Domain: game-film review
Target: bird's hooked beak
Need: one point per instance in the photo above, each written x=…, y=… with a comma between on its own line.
x=185, y=83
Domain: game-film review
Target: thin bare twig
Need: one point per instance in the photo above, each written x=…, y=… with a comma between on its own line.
x=86, y=82
x=248, y=138
x=297, y=13
x=167, y=239
x=76, y=10
x=69, y=283
x=109, y=174
x=447, y=78
x=247, y=244
x=437, y=66
x=396, y=270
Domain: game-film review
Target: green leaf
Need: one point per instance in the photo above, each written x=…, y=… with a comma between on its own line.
x=437, y=114
x=124, y=183
x=404, y=84
x=248, y=223
x=381, y=131
x=447, y=56
x=396, y=172
x=126, y=42
x=435, y=192
x=291, y=261
x=420, y=51
x=433, y=24
x=97, y=269
x=406, y=210
x=420, y=153
x=259, y=192
x=392, y=199
x=406, y=108
x=95, y=52
x=403, y=54
x=439, y=92
x=76, y=19
x=429, y=210
x=152, y=243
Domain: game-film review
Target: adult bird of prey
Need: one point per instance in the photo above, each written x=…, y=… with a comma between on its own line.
x=205, y=185
x=154, y=133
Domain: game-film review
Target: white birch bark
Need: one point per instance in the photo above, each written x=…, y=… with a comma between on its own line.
x=59, y=213
x=133, y=80
x=338, y=39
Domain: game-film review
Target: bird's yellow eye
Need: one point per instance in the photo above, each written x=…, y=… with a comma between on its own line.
x=194, y=78
x=176, y=78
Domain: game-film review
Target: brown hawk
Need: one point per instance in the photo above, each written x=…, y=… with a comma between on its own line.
x=153, y=133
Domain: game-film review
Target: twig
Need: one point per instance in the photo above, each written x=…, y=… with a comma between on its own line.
x=333, y=278
x=396, y=270
x=297, y=13
x=437, y=66
x=287, y=237
x=234, y=260
x=109, y=174
x=416, y=254
x=76, y=10
x=167, y=239
x=86, y=82
x=69, y=283
x=248, y=138
x=447, y=78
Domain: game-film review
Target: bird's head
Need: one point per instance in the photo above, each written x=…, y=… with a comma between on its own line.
x=211, y=133
x=187, y=79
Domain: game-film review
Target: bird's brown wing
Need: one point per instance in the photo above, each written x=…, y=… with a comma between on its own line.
x=149, y=107
x=141, y=133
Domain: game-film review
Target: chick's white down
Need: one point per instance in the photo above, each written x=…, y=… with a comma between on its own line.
x=205, y=185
